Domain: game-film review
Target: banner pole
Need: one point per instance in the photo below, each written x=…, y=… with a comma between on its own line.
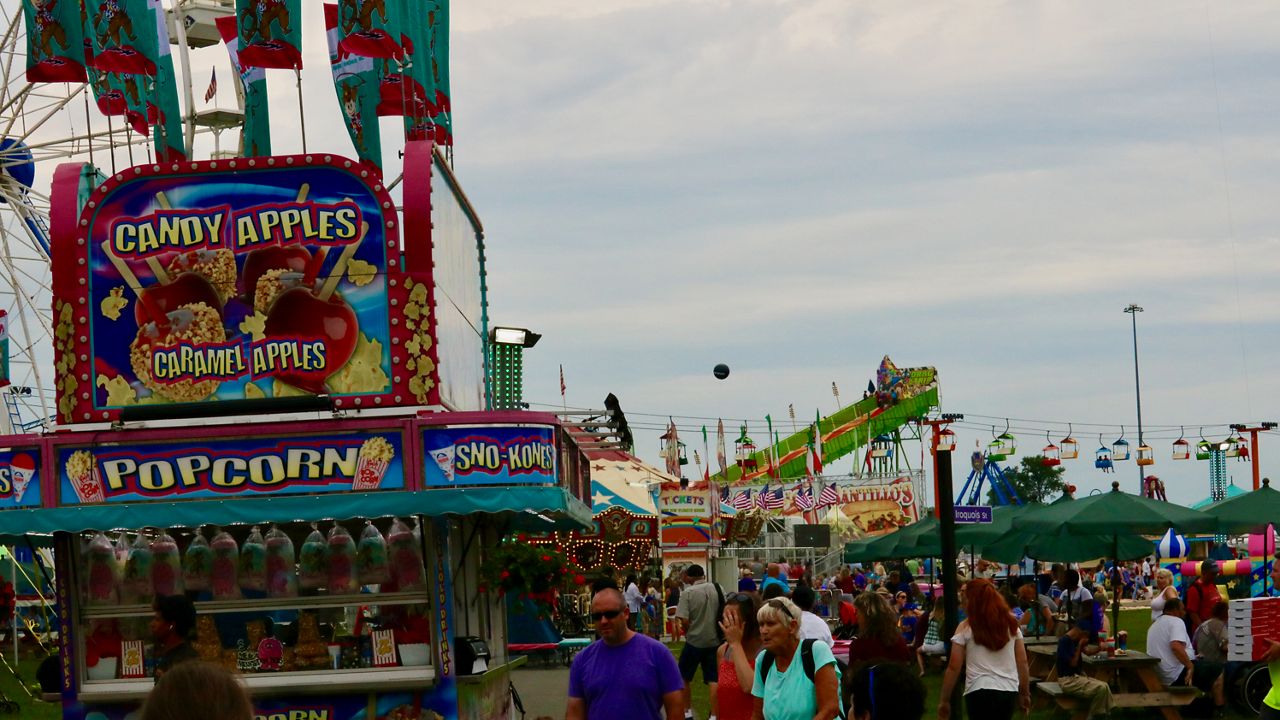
x=302, y=116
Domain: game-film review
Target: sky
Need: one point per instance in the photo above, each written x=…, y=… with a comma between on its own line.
x=797, y=188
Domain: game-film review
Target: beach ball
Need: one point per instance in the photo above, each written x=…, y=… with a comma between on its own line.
x=1172, y=545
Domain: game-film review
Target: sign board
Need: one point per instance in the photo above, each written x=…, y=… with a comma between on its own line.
x=490, y=455
x=972, y=514
x=687, y=516
x=235, y=467
x=243, y=279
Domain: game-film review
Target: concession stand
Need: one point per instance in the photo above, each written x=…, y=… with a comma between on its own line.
x=271, y=399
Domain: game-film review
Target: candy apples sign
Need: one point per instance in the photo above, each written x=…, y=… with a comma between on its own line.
x=252, y=278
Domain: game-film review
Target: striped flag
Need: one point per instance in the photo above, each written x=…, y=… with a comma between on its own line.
x=213, y=86
x=813, y=459
x=804, y=499
x=761, y=496
x=706, y=451
x=724, y=494
x=742, y=500
x=773, y=500
x=562, y=385
x=828, y=496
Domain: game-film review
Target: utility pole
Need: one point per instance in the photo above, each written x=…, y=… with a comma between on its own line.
x=1133, y=311
x=944, y=506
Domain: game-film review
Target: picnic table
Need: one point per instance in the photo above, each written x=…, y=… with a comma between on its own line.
x=1133, y=677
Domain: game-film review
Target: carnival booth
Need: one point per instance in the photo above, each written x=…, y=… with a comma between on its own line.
x=265, y=404
x=624, y=528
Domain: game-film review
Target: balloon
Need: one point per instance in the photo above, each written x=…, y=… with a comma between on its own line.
x=721, y=371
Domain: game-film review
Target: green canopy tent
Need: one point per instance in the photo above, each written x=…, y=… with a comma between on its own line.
x=1065, y=546
x=1249, y=512
x=891, y=545
x=1114, y=514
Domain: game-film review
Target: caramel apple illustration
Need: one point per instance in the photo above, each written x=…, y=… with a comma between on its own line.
x=307, y=314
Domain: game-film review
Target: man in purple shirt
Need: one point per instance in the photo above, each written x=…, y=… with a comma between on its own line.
x=623, y=674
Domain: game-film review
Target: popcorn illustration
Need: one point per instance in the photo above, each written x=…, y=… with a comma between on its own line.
x=371, y=463
x=83, y=472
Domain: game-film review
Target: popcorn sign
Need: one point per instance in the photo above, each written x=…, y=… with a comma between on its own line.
x=232, y=467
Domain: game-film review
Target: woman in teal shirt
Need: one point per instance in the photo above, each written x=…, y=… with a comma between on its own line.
x=782, y=688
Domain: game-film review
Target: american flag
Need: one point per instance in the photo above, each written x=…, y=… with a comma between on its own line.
x=743, y=501
x=829, y=496
x=773, y=500
x=213, y=86
x=724, y=494
x=804, y=499
x=761, y=494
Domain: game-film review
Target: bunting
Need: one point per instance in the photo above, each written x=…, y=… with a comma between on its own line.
x=55, y=41
x=255, y=134
x=356, y=80
x=269, y=33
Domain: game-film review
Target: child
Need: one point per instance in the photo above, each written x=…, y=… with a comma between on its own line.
x=933, y=644
x=1070, y=649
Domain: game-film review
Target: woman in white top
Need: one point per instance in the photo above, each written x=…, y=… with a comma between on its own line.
x=988, y=647
x=1164, y=591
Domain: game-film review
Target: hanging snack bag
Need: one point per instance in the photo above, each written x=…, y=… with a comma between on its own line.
x=103, y=571
x=341, y=557
x=166, y=566
x=406, y=557
x=226, y=558
x=197, y=564
x=311, y=567
x=253, y=562
x=282, y=577
x=371, y=557
x=136, y=588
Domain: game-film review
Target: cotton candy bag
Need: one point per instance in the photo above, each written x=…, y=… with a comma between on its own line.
x=136, y=587
x=406, y=557
x=226, y=559
x=103, y=570
x=197, y=563
x=341, y=559
x=371, y=557
x=282, y=577
x=253, y=562
x=311, y=564
x=166, y=565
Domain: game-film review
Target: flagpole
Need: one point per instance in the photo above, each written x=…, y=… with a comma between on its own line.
x=88, y=126
x=302, y=115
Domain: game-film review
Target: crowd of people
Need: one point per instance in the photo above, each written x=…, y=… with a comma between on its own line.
x=766, y=652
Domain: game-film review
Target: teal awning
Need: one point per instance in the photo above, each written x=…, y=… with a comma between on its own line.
x=525, y=508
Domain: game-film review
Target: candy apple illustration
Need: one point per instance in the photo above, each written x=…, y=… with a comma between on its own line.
x=261, y=261
x=169, y=294
x=305, y=313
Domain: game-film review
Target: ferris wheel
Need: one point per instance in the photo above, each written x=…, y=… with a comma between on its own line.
x=41, y=126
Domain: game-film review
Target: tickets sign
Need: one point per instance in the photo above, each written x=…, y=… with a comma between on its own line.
x=493, y=455
x=20, y=478
x=240, y=467
x=248, y=279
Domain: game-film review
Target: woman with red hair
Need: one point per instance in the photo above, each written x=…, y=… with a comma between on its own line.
x=988, y=646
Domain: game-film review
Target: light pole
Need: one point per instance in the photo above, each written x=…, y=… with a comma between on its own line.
x=1133, y=311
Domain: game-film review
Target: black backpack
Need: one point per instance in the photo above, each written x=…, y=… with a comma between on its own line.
x=807, y=662
x=719, y=612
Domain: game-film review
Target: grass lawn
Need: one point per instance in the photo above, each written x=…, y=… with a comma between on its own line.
x=28, y=708
x=1135, y=621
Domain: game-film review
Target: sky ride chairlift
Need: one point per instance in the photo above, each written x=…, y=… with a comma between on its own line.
x=1102, y=457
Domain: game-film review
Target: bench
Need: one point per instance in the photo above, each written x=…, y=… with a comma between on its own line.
x=1169, y=697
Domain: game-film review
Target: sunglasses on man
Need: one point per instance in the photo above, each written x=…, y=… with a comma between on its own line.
x=606, y=614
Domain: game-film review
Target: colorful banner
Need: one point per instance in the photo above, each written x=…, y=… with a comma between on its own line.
x=255, y=134
x=270, y=33
x=237, y=467
x=371, y=28
x=122, y=35
x=55, y=41
x=20, y=478
x=494, y=455
x=409, y=91
x=163, y=110
x=356, y=80
x=437, y=74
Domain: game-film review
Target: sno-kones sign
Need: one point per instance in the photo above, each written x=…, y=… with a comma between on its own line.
x=256, y=278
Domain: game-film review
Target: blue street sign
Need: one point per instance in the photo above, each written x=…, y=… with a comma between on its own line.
x=972, y=514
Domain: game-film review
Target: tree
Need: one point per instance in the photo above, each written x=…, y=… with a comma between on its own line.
x=1033, y=481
